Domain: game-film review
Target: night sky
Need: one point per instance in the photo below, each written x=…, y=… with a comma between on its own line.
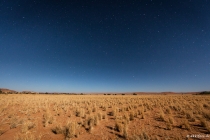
x=105, y=46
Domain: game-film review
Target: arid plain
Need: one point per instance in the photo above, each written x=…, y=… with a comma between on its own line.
x=104, y=117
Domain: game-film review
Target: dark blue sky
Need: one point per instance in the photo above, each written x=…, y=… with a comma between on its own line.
x=105, y=46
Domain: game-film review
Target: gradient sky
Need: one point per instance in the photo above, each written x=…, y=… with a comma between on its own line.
x=105, y=46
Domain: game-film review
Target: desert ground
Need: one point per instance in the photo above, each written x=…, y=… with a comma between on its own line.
x=104, y=117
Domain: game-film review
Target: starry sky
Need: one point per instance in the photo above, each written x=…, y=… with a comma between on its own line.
x=105, y=46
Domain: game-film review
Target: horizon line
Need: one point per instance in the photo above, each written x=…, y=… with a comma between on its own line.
x=103, y=91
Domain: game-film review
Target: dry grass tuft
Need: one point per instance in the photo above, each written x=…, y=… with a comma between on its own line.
x=168, y=110
x=113, y=112
x=190, y=116
x=70, y=130
x=125, y=133
x=186, y=125
x=14, y=123
x=171, y=120
x=169, y=126
x=131, y=116
x=80, y=113
x=205, y=124
x=27, y=126
x=143, y=136
x=104, y=116
x=89, y=123
x=58, y=129
x=162, y=115
x=27, y=136
x=119, y=127
x=96, y=120
x=47, y=119
x=1, y=132
x=206, y=114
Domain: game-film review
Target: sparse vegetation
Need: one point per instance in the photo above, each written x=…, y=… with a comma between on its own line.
x=116, y=117
x=204, y=93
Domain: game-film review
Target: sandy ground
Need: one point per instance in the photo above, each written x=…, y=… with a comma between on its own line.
x=104, y=117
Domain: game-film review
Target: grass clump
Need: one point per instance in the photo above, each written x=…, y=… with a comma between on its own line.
x=27, y=136
x=70, y=130
x=27, y=126
x=186, y=125
x=47, y=119
x=57, y=130
x=119, y=127
x=162, y=115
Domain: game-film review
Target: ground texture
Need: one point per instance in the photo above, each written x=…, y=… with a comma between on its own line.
x=104, y=117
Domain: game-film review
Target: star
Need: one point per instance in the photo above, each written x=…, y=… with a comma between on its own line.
x=111, y=43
